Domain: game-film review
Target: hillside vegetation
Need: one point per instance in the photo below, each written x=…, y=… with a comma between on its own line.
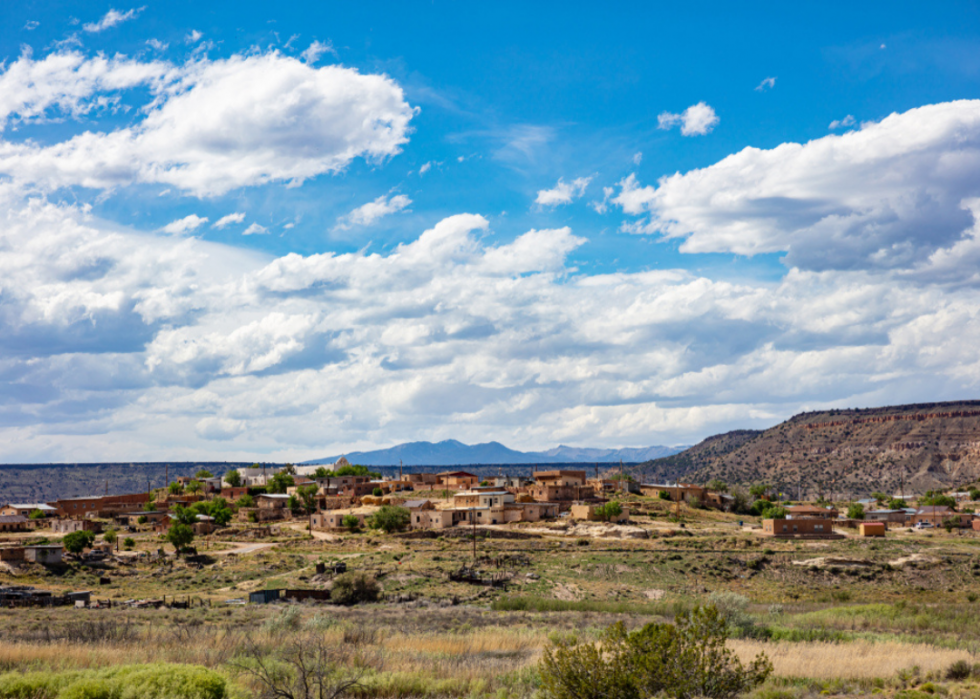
x=843, y=453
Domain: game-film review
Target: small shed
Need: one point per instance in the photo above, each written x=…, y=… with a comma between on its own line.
x=872, y=528
x=49, y=554
x=264, y=596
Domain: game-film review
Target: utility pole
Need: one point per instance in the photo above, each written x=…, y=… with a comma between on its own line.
x=473, y=519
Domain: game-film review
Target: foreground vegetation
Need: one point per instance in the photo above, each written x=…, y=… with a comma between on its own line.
x=897, y=618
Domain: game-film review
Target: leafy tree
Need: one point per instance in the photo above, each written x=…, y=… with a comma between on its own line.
x=221, y=516
x=280, y=482
x=321, y=472
x=307, y=496
x=290, y=469
x=76, y=542
x=759, y=491
x=855, y=511
x=175, y=488
x=142, y=519
x=975, y=494
x=776, y=512
x=183, y=515
x=194, y=487
x=717, y=485
x=356, y=470
x=609, y=510
x=245, y=500
x=484, y=483
x=937, y=499
x=896, y=504
x=150, y=506
x=233, y=479
x=740, y=501
x=129, y=542
x=377, y=492
x=110, y=536
x=685, y=660
x=294, y=504
x=352, y=588
x=880, y=496
x=203, y=473
x=36, y=514
x=390, y=518
x=180, y=535
x=351, y=523
x=663, y=495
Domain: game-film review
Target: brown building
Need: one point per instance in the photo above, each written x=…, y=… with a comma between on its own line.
x=458, y=480
x=808, y=527
x=14, y=523
x=422, y=479
x=11, y=553
x=232, y=494
x=334, y=520
x=938, y=515
x=100, y=505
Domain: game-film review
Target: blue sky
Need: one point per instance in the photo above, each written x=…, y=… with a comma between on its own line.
x=648, y=223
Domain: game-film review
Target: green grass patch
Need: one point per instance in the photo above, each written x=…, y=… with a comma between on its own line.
x=155, y=681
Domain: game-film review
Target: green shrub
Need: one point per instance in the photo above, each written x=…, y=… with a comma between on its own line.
x=681, y=660
x=129, y=542
x=141, y=519
x=351, y=523
x=377, y=492
x=960, y=670
x=390, y=518
x=354, y=588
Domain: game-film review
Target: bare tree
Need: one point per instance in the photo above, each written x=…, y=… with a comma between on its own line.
x=305, y=666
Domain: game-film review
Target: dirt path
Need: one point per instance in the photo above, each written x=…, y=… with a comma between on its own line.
x=243, y=549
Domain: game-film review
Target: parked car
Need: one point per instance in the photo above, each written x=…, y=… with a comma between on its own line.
x=924, y=525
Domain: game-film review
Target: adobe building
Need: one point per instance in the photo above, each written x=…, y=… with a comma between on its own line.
x=458, y=480
x=560, y=486
x=805, y=528
x=14, y=523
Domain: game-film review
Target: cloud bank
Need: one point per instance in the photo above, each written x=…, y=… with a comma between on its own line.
x=212, y=127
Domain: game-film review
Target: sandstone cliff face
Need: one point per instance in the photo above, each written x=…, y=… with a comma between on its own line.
x=848, y=453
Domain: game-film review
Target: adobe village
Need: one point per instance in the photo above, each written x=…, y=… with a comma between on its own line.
x=467, y=583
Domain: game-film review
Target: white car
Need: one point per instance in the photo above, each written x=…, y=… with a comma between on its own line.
x=924, y=525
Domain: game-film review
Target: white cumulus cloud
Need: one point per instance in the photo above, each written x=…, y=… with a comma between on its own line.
x=563, y=192
x=255, y=229
x=373, y=211
x=842, y=123
x=236, y=122
x=111, y=19
x=315, y=50
x=697, y=120
x=184, y=225
x=229, y=219
x=891, y=195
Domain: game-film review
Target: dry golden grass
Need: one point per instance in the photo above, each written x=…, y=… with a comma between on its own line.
x=854, y=660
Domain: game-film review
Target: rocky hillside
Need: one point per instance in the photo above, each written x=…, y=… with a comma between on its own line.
x=680, y=466
x=847, y=453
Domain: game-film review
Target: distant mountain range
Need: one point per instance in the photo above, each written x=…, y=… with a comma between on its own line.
x=454, y=453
